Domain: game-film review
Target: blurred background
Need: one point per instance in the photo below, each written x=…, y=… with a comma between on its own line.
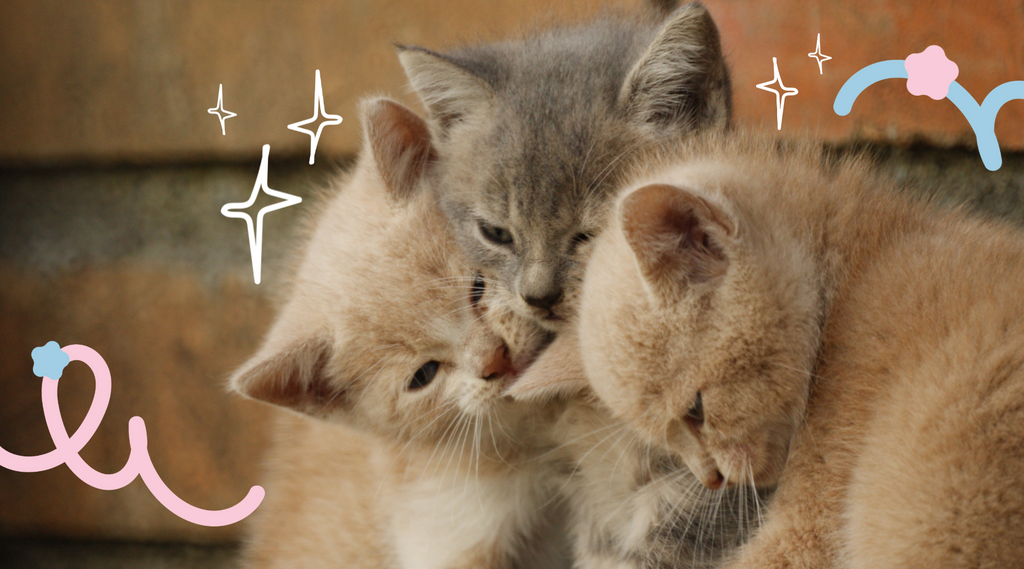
x=113, y=173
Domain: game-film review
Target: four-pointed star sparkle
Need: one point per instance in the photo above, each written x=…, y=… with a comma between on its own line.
x=235, y=210
x=318, y=109
x=220, y=111
x=821, y=57
x=780, y=97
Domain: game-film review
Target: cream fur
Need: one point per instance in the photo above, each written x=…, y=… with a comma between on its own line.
x=862, y=351
x=632, y=504
x=388, y=475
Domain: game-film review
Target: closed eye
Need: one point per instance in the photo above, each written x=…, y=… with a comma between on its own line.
x=581, y=238
x=477, y=292
x=495, y=234
x=695, y=416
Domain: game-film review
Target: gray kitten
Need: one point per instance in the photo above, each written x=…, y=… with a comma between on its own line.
x=531, y=136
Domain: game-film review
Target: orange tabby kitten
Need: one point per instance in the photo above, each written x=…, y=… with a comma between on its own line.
x=421, y=461
x=774, y=315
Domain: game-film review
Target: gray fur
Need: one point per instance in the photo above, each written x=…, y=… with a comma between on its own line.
x=636, y=506
x=531, y=136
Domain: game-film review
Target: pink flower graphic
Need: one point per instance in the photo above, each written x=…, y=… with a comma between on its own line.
x=930, y=73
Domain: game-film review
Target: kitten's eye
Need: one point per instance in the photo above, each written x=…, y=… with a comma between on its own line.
x=580, y=239
x=424, y=375
x=477, y=292
x=695, y=416
x=495, y=234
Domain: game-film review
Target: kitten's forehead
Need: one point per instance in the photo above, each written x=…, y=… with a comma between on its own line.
x=552, y=173
x=564, y=67
x=554, y=126
x=394, y=277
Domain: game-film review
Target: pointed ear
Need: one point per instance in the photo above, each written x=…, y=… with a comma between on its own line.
x=681, y=79
x=558, y=372
x=400, y=143
x=449, y=87
x=677, y=237
x=297, y=377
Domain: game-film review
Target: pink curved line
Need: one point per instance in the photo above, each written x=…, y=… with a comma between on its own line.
x=51, y=410
x=67, y=450
x=70, y=449
x=211, y=518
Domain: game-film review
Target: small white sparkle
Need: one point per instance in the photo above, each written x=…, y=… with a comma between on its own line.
x=219, y=110
x=780, y=98
x=236, y=210
x=821, y=57
x=318, y=109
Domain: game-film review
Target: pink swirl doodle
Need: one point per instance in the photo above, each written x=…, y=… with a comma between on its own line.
x=139, y=462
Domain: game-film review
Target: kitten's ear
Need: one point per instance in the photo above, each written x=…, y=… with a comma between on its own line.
x=449, y=87
x=681, y=79
x=558, y=372
x=400, y=143
x=677, y=237
x=296, y=377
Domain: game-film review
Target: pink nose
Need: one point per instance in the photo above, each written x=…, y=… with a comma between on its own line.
x=498, y=365
x=715, y=480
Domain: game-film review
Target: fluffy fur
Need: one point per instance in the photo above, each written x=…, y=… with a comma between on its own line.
x=410, y=468
x=532, y=135
x=632, y=504
x=772, y=314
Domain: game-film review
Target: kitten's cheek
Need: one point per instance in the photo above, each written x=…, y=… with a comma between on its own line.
x=776, y=454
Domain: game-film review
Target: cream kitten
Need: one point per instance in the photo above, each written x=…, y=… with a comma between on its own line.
x=424, y=463
x=773, y=315
x=632, y=504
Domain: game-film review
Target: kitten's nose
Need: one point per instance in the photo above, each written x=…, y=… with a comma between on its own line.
x=499, y=365
x=545, y=302
x=715, y=480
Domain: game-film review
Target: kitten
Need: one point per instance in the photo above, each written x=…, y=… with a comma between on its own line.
x=385, y=335
x=632, y=504
x=532, y=135
x=774, y=315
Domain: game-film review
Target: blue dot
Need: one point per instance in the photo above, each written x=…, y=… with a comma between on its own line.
x=50, y=360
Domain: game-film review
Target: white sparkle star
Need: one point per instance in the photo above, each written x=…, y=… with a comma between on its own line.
x=821, y=57
x=220, y=111
x=780, y=98
x=256, y=237
x=318, y=109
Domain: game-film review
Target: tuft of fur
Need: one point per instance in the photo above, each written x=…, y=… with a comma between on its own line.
x=380, y=469
x=631, y=504
x=532, y=136
x=863, y=351
x=636, y=505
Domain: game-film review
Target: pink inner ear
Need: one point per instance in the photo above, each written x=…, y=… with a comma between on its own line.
x=295, y=378
x=671, y=232
x=400, y=142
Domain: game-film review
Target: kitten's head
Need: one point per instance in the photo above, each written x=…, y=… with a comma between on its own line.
x=699, y=324
x=533, y=134
x=385, y=329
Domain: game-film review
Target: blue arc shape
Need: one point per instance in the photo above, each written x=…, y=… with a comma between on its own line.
x=855, y=85
x=982, y=118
